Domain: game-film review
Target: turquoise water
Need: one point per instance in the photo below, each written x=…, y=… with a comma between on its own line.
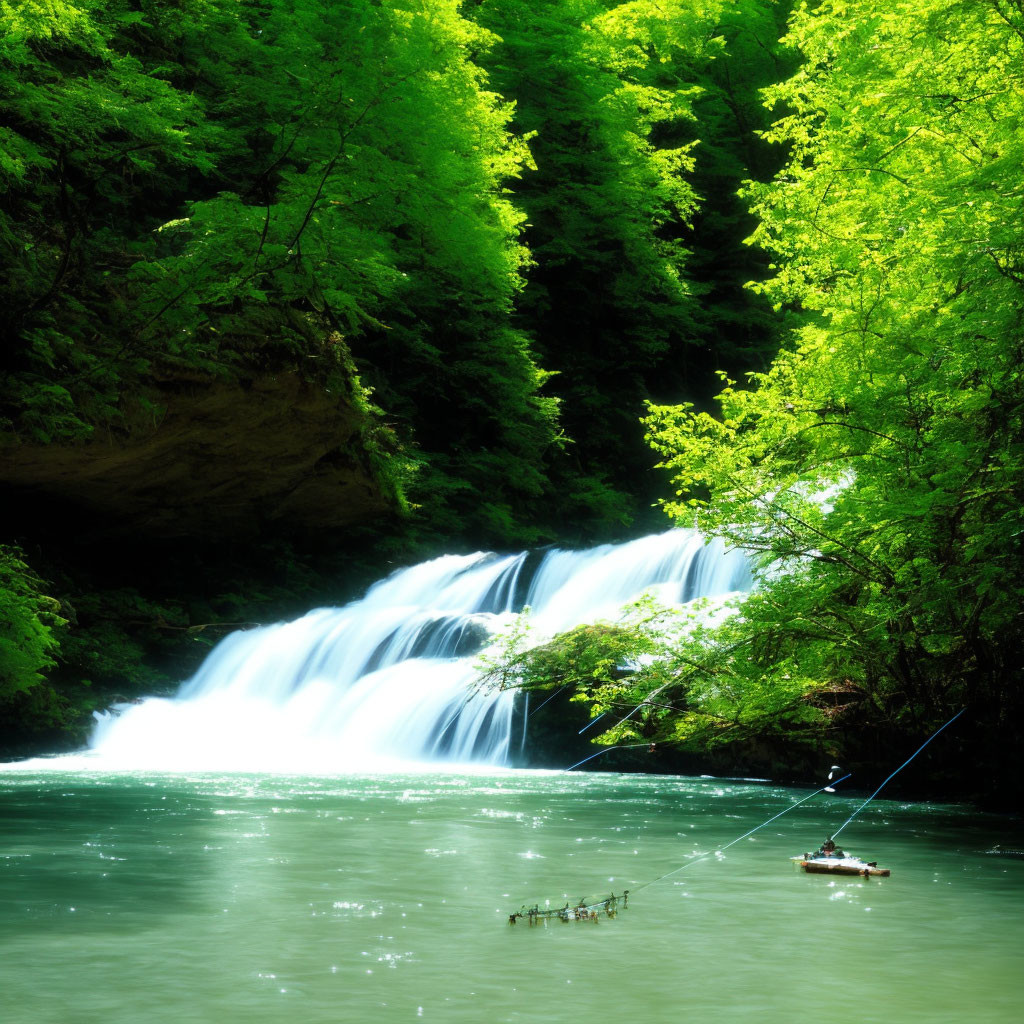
x=245, y=898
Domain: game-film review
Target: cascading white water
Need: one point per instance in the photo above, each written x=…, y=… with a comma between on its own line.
x=389, y=679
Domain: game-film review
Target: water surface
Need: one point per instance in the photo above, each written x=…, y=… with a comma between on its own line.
x=249, y=898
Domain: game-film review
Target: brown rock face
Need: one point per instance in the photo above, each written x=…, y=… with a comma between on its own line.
x=216, y=460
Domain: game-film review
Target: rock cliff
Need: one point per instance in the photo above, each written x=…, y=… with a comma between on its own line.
x=210, y=459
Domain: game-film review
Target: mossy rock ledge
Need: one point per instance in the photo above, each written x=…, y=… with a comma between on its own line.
x=208, y=459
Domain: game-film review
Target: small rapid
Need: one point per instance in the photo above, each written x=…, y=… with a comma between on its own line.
x=390, y=680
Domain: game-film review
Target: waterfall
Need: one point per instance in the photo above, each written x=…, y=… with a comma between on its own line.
x=389, y=679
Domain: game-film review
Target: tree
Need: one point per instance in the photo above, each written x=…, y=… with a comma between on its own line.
x=736, y=327
x=376, y=214
x=94, y=138
x=875, y=471
x=600, y=89
x=216, y=191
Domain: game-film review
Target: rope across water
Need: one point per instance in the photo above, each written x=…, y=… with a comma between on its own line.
x=828, y=786
x=705, y=856
x=598, y=903
x=898, y=770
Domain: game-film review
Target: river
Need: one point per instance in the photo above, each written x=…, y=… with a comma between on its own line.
x=326, y=824
x=250, y=898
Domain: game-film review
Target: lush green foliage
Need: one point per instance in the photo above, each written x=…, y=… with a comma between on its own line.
x=660, y=674
x=608, y=93
x=482, y=224
x=736, y=327
x=875, y=473
x=224, y=189
x=875, y=470
x=589, y=658
x=28, y=618
x=219, y=190
x=378, y=209
x=95, y=138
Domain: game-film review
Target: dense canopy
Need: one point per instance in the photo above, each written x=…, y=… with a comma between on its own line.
x=503, y=240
